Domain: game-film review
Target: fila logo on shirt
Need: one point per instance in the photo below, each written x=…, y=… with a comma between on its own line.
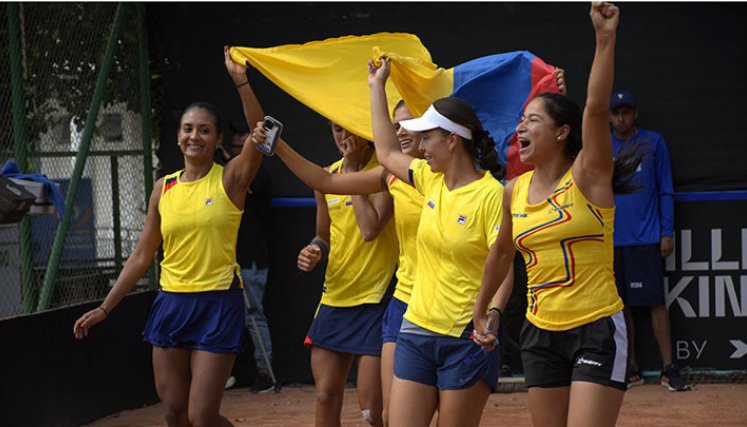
x=462, y=219
x=209, y=201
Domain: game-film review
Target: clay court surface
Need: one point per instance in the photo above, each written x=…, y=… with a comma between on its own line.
x=647, y=405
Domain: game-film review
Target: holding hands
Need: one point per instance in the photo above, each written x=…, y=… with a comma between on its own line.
x=486, y=330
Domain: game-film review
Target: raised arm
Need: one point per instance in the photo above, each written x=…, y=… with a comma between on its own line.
x=385, y=137
x=313, y=175
x=240, y=171
x=593, y=167
x=137, y=264
x=497, y=265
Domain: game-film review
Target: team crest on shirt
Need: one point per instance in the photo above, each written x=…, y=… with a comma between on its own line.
x=209, y=201
x=431, y=204
x=462, y=219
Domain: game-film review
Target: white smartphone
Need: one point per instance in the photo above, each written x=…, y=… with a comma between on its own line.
x=274, y=128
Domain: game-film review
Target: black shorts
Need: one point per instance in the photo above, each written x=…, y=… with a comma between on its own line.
x=639, y=274
x=596, y=352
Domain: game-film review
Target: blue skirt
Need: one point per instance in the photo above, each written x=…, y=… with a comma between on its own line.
x=209, y=321
x=355, y=330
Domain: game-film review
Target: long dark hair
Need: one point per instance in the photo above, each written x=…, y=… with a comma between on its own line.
x=563, y=111
x=481, y=147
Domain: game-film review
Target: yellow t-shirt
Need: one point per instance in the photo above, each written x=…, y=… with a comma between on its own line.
x=408, y=204
x=199, y=225
x=456, y=231
x=358, y=272
x=567, y=246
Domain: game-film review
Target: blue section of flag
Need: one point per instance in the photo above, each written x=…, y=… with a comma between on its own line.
x=497, y=87
x=431, y=204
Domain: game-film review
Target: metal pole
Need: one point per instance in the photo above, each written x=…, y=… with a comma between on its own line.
x=116, y=221
x=21, y=153
x=259, y=339
x=145, y=121
x=80, y=159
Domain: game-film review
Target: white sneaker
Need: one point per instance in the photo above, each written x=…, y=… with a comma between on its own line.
x=231, y=382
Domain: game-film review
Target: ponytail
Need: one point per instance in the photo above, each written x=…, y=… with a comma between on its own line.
x=627, y=161
x=481, y=147
x=485, y=153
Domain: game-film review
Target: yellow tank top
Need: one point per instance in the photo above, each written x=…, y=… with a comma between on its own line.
x=408, y=204
x=358, y=272
x=199, y=225
x=566, y=242
x=456, y=231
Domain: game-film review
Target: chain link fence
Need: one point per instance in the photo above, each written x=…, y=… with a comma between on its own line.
x=61, y=51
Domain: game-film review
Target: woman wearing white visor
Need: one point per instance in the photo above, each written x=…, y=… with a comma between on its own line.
x=436, y=364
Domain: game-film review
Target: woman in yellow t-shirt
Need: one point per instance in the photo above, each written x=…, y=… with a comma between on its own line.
x=560, y=217
x=436, y=363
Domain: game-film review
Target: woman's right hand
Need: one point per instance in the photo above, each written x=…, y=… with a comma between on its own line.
x=377, y=74
x=309, y=257
x=259, y=134
x=86, y=321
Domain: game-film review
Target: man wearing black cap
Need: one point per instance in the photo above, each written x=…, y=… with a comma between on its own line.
x=644, y=226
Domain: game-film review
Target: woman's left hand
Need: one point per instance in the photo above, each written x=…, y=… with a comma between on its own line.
x=236, y=71
x=486, y=331
x=604, y=17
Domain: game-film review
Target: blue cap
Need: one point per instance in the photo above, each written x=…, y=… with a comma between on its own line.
x=622, y=97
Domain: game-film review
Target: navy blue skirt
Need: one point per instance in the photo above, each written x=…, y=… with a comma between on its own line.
x=209, y=321
x=355, y=330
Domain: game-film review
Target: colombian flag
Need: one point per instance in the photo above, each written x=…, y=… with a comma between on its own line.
x=331, y=77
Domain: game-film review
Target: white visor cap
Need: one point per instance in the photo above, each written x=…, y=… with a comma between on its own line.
x=432, y=119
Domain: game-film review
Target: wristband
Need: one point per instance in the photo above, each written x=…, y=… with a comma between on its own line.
x=322, y=245
x=242, y=84
x=101, y=307
x=500, y=313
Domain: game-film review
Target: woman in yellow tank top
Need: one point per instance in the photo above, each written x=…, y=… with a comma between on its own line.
x=355, y=234
x=560, y=217
x=196, y=324
x=407, y=207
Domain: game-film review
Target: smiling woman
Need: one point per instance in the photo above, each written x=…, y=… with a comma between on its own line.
x=200, y=131
x=436, y=363
x=196, y=323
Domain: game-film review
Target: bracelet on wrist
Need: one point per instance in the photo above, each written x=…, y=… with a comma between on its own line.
x=497, y=310
x=101, y=307
x=242, y=84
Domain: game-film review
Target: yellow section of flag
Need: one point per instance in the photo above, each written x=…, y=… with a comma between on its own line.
x=331, y=76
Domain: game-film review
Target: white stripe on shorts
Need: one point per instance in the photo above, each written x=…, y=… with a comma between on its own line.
x=621, y=352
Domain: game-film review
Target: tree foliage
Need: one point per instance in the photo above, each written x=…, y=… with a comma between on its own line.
x=62, y=47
